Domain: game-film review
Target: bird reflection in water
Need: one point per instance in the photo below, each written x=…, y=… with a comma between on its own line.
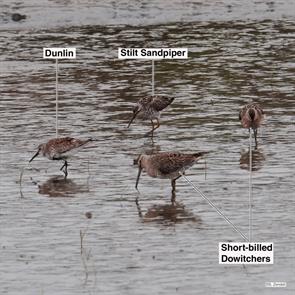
x=167, y=214
x=59, y=186
x=257, y=159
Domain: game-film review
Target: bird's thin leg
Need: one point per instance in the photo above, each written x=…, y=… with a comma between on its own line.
x=173, y=197
x=255, y=136
x=62, y=167
x=65, y=171
x=173, y=184
x=152, y=131
x=173, y=193
x=158, y=124
x=152, y=141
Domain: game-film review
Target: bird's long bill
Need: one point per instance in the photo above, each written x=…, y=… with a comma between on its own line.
x=133, y=117
x=138, y=176
x=34, y=156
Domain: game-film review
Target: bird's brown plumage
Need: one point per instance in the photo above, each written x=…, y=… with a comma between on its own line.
x=251, y=116
x=149, y=107
x=167, y=165
x=156, y=102
x=59, y=149
x=60, y=146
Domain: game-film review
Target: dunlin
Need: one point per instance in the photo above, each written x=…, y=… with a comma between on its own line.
x=60, y=149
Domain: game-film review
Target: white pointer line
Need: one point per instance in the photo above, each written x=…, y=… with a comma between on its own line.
x=250, y=186
x=56, y=99
x=214, y=207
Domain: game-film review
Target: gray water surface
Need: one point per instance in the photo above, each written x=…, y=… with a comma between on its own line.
x=155, y=247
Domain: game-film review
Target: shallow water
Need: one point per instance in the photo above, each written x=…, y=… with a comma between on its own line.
x=127, y=247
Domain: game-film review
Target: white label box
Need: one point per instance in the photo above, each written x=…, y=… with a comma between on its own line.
x=59, y=53
x=152, y=53
x=246, y=253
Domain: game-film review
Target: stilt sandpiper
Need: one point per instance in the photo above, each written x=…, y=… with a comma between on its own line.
x=251, y=116
x=167, y=165
x=150, y=107
x=60, y=149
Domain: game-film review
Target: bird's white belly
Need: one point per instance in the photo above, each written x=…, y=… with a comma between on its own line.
x=59, y=156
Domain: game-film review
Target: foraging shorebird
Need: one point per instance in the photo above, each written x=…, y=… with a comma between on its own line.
x=167, y=165
x=251, y=116
x=60, y=149
x=150, y=107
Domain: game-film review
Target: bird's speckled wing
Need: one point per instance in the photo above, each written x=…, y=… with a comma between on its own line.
x=156, y=102
x=65, y=144
x=258, y=108
x=161, y=102
x=173, y=162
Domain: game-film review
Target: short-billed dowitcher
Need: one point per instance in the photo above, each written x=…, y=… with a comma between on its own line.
x=150, y=107
x=60, y=149
x=167, y=165
x=251, y=116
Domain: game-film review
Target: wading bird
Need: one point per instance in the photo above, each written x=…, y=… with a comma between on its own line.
x=60, y=149
x=251, y=116
x=167, y=165
x=149, y=108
